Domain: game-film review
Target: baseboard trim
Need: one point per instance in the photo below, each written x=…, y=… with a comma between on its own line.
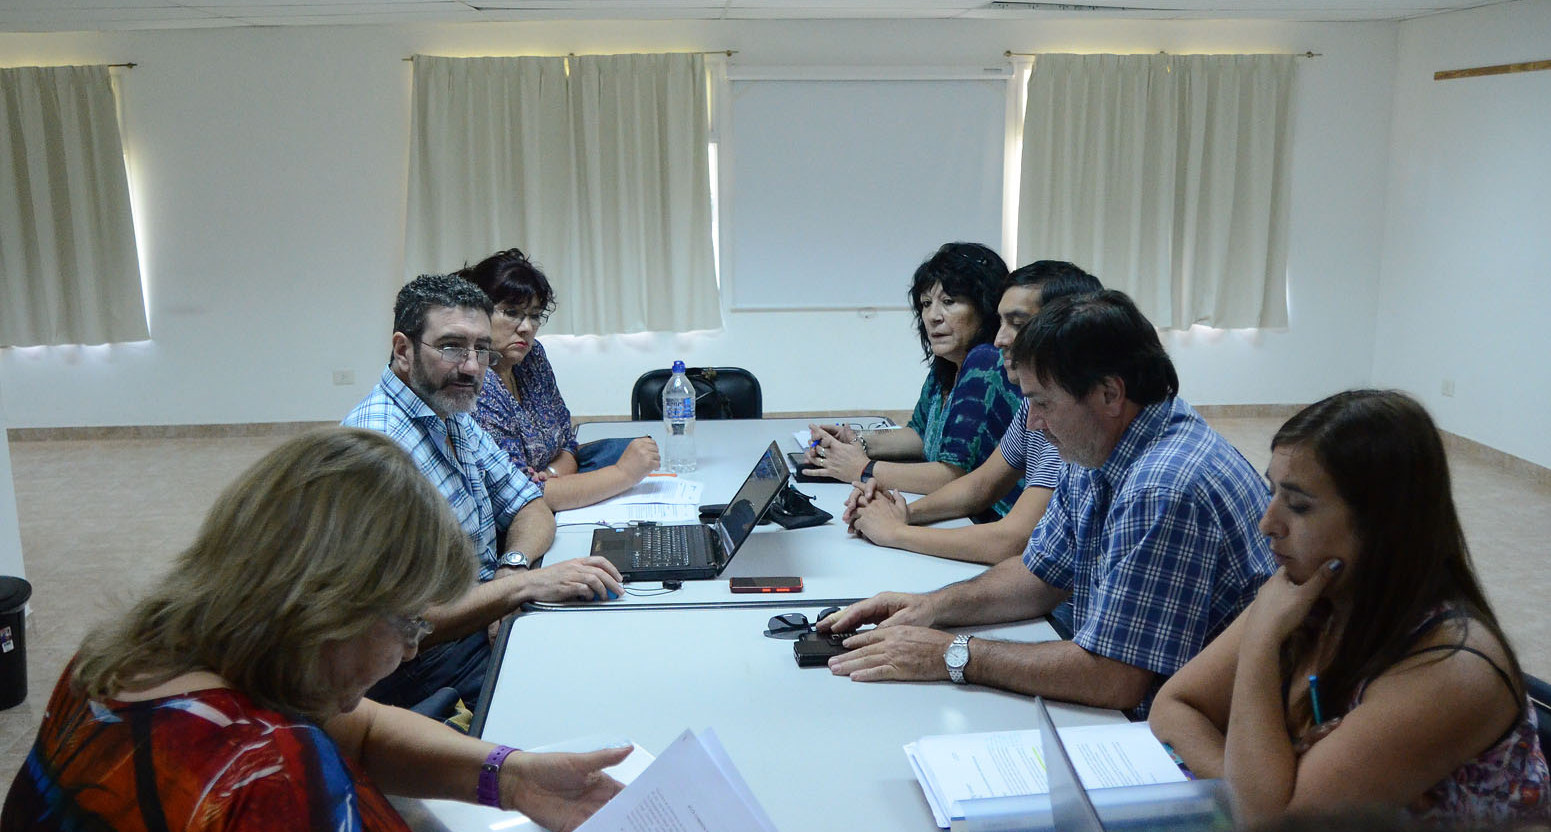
x=1248, y=411
x=1458, y=446
x=246, y=429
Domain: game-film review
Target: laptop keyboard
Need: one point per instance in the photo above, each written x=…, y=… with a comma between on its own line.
x=665, y=546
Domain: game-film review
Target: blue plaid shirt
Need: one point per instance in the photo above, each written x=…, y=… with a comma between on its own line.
x=1159, y=546
x=475, y=476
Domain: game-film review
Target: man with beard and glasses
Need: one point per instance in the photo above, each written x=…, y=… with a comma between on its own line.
x=441, y=347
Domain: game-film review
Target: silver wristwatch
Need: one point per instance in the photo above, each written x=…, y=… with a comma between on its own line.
x=513, y=560
x=957, y=657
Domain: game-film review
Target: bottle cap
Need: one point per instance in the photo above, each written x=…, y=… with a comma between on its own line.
x=678, y=366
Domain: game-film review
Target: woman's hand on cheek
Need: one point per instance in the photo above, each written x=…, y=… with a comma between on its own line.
x=1282, y=605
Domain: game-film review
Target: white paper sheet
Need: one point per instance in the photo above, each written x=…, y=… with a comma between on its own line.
x=672, y=490
x=1006, y=763
x=658, y=513
x=691, y=786
x=658, y=499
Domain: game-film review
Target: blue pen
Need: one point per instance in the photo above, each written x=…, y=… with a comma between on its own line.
x=1319, y=715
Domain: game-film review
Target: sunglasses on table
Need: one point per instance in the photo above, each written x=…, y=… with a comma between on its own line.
x=791, y=625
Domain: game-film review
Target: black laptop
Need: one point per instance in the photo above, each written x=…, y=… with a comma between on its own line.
x=694, y=552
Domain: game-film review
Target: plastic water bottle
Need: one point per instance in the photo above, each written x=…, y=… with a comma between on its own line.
x=678, y=422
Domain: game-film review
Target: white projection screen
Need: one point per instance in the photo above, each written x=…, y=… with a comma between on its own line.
x=841, y=188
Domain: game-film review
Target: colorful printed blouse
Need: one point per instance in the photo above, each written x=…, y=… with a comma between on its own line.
x=537, y=428
x=207, y=760
x=1507, y=783
x=965, y=427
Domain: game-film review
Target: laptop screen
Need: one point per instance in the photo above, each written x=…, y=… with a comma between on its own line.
x=737, y=521
x=1070, y=805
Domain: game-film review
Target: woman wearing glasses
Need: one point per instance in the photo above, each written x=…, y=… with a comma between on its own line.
x=520, y=406
x=230, y=697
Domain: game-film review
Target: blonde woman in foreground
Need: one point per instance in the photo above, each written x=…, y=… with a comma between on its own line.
x=231, y=696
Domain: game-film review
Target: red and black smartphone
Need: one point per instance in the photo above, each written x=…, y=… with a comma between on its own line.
x=787, y=584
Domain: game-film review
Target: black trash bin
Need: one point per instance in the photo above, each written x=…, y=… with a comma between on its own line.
x=14, y=593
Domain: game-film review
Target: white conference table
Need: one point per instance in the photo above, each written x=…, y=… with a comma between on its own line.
x=819, y=751
x=834, y=565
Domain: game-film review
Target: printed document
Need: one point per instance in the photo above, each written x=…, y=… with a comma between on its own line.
x=692, y=785
x=662, y=500
x=953, y=768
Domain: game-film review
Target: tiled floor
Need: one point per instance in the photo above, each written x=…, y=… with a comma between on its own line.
x=100, y=519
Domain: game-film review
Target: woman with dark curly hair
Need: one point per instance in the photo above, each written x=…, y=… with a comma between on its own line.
x=966, y=403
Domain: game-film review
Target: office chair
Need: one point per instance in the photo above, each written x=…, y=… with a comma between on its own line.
x=1540, y=700
x=720, y=393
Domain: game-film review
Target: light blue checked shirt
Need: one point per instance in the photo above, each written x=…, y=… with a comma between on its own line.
x=1159, y=546
x=476, y=477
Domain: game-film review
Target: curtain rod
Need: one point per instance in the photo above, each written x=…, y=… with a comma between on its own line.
x=728, y=52
x=1011, y=54
x=1500, y=69
x=128, y=65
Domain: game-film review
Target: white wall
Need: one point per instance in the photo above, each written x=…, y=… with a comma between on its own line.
x=10, y=534
x=270, y=169
x=1467, y=252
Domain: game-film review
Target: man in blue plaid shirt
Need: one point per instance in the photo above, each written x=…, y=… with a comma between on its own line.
x=1152, y=532
x=441, y=349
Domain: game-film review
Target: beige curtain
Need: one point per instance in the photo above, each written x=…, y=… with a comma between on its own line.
x=69, y=273
x=1167, y=177
x=596, y=166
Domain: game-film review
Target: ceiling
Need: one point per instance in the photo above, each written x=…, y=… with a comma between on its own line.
x=102, y=15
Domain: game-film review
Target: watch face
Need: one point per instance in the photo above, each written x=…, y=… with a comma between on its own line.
x=514, y=559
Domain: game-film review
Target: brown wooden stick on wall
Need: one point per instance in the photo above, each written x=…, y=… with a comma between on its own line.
x=1500, y=69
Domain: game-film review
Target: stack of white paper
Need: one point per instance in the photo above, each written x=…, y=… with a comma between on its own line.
x=954, y=768
x=692, y=785
x=658, y=499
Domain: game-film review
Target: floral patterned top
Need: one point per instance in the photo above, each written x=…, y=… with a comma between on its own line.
x=1506, y=783
x=537, y=428
x=201, y=761
x=964, y=428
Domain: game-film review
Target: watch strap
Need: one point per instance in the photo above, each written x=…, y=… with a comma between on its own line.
x=489, y=790
x=867, y=470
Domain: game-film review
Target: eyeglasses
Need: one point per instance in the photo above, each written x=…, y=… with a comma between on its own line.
x=519, y=315
x=458, y=355
x=791, y=625
x=412, y=628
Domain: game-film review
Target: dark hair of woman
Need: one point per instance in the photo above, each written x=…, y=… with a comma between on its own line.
x=510, y=277
x=970, y=272
x=1386, y=459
